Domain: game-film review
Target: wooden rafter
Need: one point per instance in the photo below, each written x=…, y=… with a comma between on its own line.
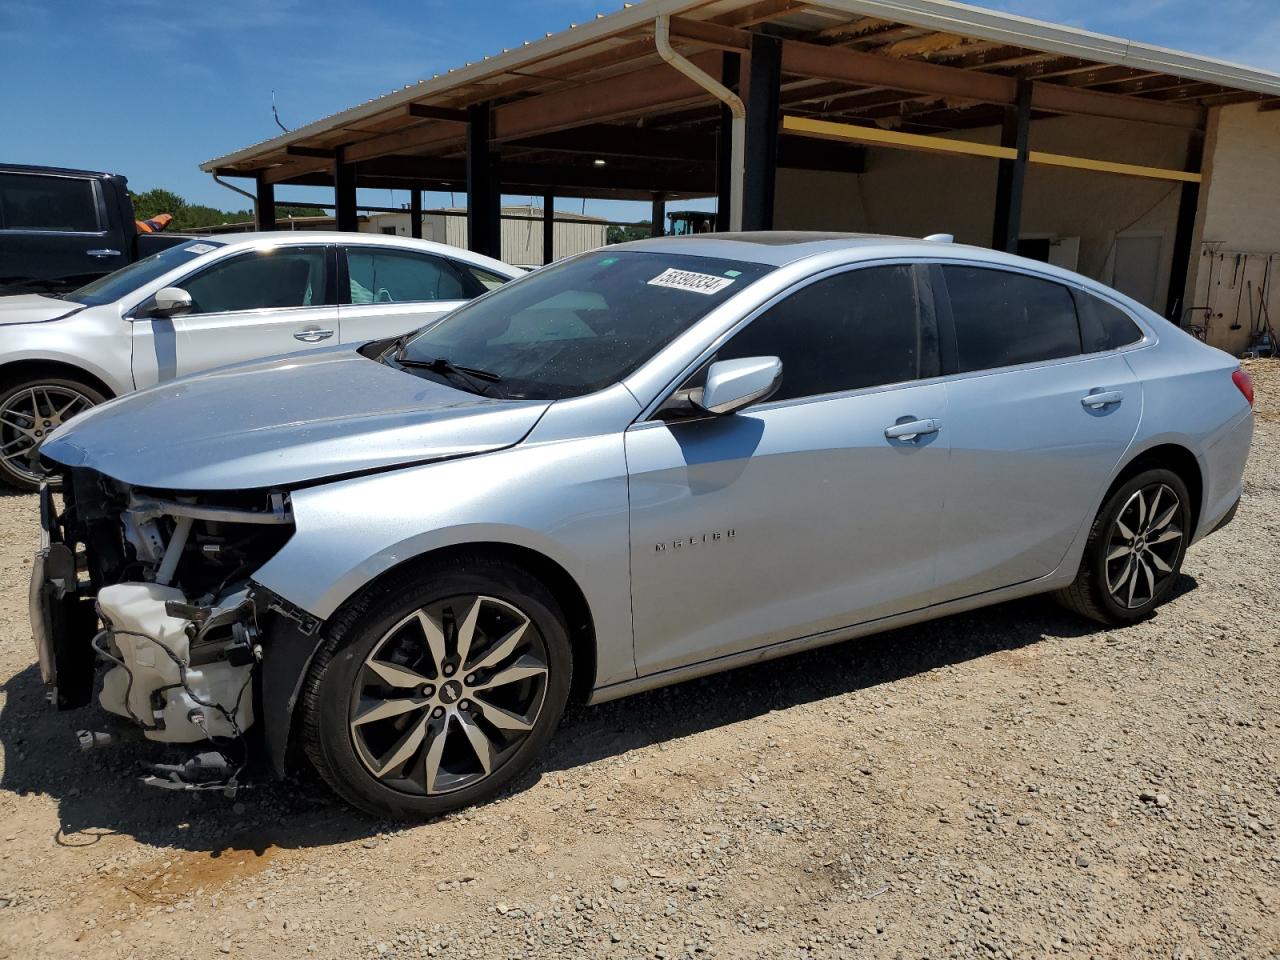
x=839, y=64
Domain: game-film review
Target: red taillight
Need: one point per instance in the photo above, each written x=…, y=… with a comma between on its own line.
x=1244, y=383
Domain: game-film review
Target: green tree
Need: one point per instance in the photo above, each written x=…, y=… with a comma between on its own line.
x=150, y=203
x=624, y=232
x=188, y=216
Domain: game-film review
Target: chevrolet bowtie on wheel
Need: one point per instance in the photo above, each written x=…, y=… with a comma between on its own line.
x=396, y=561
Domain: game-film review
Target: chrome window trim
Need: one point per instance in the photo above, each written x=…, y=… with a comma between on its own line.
x=1149, y=335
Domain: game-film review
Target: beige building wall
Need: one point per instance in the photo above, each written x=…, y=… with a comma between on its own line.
x=521, y=238
x=1235, y=266
x=1124, y=225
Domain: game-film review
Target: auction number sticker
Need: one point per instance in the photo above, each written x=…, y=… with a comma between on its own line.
x=201, y=248
x=688, y=280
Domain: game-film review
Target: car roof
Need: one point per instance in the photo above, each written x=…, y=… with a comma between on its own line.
x=779, y=248
x=280, y=237
x=53, y=171
x=772, y=247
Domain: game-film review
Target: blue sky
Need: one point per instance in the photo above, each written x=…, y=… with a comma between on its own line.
x=150, y=88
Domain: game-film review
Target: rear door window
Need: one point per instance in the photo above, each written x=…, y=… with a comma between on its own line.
x=59, y=204
x=270, y=279
x=852, y=330
x=1004, y=318
x=398, y=276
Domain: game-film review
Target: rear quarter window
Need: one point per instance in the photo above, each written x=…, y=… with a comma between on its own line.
x=1103, y=325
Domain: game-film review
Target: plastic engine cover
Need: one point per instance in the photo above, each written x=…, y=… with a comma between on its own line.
x=135, y=611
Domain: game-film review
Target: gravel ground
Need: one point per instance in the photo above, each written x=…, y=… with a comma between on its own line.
x=1012, y=782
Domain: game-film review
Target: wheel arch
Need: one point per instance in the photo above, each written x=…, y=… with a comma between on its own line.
x=284, y=671
x=552, y=575
x=1170, y=456
x=15, y=371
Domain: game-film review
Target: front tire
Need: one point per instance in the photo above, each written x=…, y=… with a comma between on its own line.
x=437, y=688
x=29, y=410
x=1135, y=550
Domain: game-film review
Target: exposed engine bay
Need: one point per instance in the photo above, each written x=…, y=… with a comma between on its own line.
x=154, y=586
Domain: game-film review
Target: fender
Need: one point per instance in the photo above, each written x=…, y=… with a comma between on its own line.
x=570, y=507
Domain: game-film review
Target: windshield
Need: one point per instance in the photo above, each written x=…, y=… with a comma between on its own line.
x=124, y=281
x=580, y=326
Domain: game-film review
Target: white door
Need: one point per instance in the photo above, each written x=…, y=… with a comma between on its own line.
x=393, y=291
x=257, y=304
x=1137, y=267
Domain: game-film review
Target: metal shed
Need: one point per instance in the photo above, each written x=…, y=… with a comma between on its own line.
x=894, y=115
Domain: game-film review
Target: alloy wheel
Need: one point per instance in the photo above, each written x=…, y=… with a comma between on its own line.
x=1143, y=545
x=30, y=415
x=448, y=694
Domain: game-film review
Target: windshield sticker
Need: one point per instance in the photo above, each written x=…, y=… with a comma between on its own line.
x=201, y=247
x=703, y=283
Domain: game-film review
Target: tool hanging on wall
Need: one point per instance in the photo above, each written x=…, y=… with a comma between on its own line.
x=1235, y=278
x=1264, y=321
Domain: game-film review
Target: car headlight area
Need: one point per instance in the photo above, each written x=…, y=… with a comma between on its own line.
x=156, y=585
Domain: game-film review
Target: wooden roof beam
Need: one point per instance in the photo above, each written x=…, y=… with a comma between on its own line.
x=622, y=95
x=852, y=66
x=606, y=140
x=758, y=13
x=427, y=111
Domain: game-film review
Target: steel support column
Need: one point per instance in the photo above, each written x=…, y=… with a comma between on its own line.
x=344, y=193
x=548, y=227
x=1012, y=176
x=763, y=89
x=658, y=216
x=484, y=234
x=731, y=77
x=264, y=207
x=415, y=213
x=1184, y=233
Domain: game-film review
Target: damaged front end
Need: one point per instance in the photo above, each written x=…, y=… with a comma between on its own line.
x=156, y=586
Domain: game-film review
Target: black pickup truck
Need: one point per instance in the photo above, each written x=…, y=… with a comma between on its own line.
x=60, y=228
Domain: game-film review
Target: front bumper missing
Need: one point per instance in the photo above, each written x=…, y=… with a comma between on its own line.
x=62, y=622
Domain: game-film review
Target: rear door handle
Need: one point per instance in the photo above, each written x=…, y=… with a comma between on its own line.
x=101, y=254
x=912, y=429
x=312, y=336
x=1101, y=398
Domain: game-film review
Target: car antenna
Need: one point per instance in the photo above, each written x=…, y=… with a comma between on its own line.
x=942, y=237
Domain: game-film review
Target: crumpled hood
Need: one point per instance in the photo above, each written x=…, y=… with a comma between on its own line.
x=35, y=308
x=283, y=421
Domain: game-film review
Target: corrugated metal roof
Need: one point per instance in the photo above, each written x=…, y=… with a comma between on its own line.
x=943, y=15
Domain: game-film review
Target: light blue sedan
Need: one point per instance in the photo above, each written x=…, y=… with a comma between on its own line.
x=644, y=464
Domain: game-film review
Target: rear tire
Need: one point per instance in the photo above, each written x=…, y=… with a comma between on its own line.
x=1135, y=550
x=437, y=687
x=30, y=409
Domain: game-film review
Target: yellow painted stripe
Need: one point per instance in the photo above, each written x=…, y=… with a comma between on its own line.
x=1107, y=166
x=827, y=130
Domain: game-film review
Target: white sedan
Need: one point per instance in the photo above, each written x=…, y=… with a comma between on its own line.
x=211, y=302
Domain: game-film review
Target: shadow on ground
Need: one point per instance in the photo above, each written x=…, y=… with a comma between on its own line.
x=99, y=794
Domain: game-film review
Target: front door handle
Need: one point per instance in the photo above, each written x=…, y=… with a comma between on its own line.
x=313, y=335
x=102, y=254
x=1101, y=398
x=912, y=429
